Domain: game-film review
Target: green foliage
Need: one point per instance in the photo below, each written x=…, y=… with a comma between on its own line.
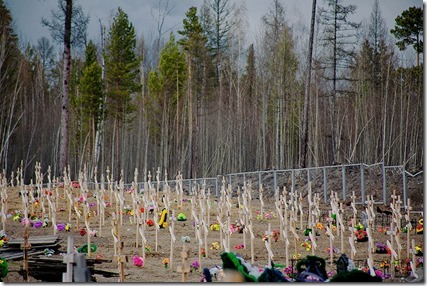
x=121, y=67
x=90, y=53
x=92, y=92
x=409, y=29
x=193, y=36
x=170, y=77
x=166, y=83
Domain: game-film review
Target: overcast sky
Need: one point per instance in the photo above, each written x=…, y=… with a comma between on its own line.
x=27, y=14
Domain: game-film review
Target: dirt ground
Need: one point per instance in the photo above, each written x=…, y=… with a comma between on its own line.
x=153, y=269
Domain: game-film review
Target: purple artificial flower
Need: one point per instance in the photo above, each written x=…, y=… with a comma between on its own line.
x=38, y=224
x=195, y=264
x=60, y=226
x=92, y=204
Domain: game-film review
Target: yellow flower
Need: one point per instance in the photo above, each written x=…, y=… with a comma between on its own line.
x=1, y=242
x=165, y=261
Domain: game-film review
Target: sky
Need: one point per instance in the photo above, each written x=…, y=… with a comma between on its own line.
x=27, y=14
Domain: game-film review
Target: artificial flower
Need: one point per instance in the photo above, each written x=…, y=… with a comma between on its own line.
x=195, y=265
x=138, y=261
x=60, y=226
x=215, y=245
x=150, y=222
x=165, y=262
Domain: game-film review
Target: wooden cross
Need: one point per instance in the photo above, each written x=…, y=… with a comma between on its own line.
x=25, y=247
x=252, y=243
x=184, y=268
x=121, y=260
x=353, y=249
x=268, y=246
x=173, y=239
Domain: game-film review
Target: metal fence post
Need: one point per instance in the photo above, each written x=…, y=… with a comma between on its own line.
x=404, y=184
x=259, y=179
x=229, y=178
x=244, y=180
x=362, y=182
x=275, y=182
x=325, y=187
x=343, y=181
x=384, y=184
x=293, y=180
x=191, y=187
x=216, y=186
x=308, y=176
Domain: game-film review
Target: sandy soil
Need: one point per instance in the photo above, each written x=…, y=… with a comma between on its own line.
x=153, y=269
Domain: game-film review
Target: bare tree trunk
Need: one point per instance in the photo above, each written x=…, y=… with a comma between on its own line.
x=304, y=135
x=65, y=102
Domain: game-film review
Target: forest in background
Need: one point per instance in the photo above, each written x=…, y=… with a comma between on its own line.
x=206, y=101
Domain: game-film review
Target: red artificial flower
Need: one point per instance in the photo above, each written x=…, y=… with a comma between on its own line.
x=150, y=222
x=82, y=232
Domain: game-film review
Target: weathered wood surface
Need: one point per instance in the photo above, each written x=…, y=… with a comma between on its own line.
x=51, y=269
x=46, y=239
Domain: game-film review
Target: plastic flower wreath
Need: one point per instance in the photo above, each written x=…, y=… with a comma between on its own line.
x=361, y=235
x=16, y=217
x=165, y=262
x=215, y=245
x=359, y=226
x=181, y=217
x=38, y=224
x=418, y=249
x=60, y=226
x=420, y=227
x=384, y=264
x=215, y=226
x=380, y=248
x=306, y=244
x=290, y=271
x=268, y=216
x=150, y=222
x=195, y=265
